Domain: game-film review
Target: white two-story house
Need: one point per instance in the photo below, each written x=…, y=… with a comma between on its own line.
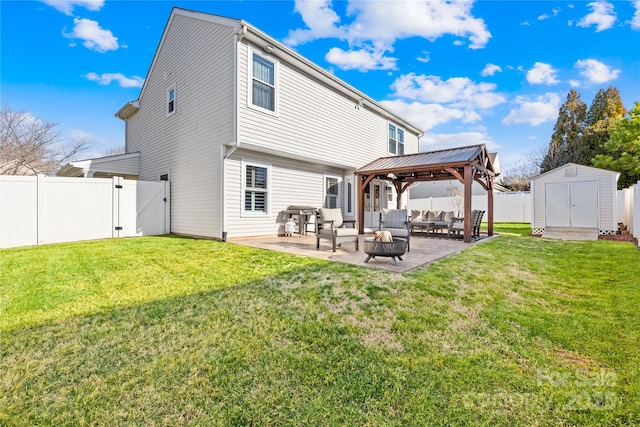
x=243, y=127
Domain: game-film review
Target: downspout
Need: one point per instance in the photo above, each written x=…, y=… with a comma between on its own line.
x=238, y=36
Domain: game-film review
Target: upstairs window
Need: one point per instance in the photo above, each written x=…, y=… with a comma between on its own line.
x=263, y=82
x=396, y=140
x=171, y=100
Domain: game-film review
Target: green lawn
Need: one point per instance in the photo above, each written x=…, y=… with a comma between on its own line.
x=175, y=331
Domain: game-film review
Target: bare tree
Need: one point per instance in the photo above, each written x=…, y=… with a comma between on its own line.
x=518, y=177
x=114, y=151
x=28, y=143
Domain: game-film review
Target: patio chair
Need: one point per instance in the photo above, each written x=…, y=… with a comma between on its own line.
x=396, y=221
x=331, y=225
x=457, y=224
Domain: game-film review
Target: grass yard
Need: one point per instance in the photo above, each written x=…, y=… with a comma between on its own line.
x=175, y=331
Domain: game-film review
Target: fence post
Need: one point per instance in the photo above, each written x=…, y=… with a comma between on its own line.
x=115, y=211
x=41, y=189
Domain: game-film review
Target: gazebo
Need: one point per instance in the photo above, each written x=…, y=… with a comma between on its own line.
x=466, y=164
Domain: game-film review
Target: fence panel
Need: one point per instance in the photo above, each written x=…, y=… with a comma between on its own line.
x=18, y=211
x=40, y=210
x=507, y=207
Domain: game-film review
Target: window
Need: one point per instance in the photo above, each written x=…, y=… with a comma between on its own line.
x=396, y=140
x=256, y=188
x=263, y=82
x=331, y=192
x=349, y=195
x=171, y=100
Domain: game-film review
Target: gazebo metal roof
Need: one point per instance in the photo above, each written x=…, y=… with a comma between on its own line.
x=466, y=164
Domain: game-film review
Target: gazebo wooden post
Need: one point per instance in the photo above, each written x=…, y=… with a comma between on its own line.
x=490, y=206
x=468, y=180
x=361, y=179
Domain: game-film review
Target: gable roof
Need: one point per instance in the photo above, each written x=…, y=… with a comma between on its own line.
x=245, y=30
x=430, y=162
x=575, y=165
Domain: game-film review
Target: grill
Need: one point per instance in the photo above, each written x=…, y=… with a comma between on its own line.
x=305, y=214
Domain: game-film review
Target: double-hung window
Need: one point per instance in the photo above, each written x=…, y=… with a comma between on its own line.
x=331, y=192
x=396, y=140
x=171, y=100
x=264, y=77
x=255, y=181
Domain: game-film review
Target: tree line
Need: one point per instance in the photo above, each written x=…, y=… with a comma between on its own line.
x=604, y=135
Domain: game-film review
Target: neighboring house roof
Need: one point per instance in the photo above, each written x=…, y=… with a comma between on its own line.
x=575, y=165
x=121, y=164
x=15, y=167
x=245, y=30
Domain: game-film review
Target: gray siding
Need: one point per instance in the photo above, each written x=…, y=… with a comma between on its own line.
x=292, y=183
x=198, y=57
x=606, y=194
x=314, y=121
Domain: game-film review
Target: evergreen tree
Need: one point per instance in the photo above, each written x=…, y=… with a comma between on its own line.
x=623, y=149
x=605, y=111
x=567, y=132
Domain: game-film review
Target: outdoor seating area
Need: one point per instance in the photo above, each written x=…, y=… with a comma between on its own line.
x=446, y=224
x=424, y=250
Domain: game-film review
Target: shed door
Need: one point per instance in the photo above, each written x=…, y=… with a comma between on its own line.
x=584, y=204
x=572, y=204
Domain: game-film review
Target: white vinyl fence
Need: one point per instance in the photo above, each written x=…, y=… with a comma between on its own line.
x=629, y=208
x=507, y=207
x=36, y=210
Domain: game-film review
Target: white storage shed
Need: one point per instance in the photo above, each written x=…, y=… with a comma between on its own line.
x=574, y=197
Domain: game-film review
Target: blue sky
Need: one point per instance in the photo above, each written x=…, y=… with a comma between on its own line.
x=492, y=72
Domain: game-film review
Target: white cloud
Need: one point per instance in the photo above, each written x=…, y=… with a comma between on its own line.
x=451, y=140
x=574, y=83
x=427, y=116
x=361, y=59
x=424, y=58
x=95, y=38
x=635, y=21
x=460, y=92
x=123, y=81
x=66, y=6
x=534, y=111
x=381, y=23
x=554, y=13
x=542, y=73
x=602, y=16
x=595, y=71
x=490, y=70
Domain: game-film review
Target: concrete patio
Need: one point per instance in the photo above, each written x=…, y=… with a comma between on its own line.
x=423, y=250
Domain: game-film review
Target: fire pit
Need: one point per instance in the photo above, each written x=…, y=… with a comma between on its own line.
x=394, y=249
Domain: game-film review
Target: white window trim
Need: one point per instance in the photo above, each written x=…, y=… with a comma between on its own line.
x=349, y=180
x=175, y=100
x=324, y=189
x=398, y=128
x=276, y=79
x=244, y=212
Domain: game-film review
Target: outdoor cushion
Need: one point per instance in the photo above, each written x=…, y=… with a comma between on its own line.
x=416, y=215
x=433, y=216
x=447, y=215
x=394, y=218
x=334, y=215
x=398, y=232
x=345, y=231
